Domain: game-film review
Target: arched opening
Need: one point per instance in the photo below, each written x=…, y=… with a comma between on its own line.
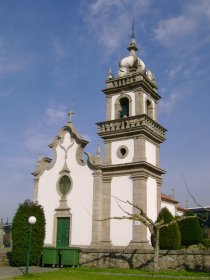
x=149, y=109
x=124, y=108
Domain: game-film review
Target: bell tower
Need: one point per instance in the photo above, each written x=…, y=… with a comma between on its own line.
x=132, y=137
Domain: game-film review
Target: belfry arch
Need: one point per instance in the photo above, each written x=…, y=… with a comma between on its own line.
x=123, y=107
x=149, y=108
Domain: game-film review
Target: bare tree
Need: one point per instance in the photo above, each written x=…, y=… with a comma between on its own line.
x=154, y=227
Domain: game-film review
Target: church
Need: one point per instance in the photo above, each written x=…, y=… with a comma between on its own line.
x=78, y=190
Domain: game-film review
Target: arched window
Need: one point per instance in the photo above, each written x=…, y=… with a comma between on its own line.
x=149, y=109
x=124, y=107
x=64, y=185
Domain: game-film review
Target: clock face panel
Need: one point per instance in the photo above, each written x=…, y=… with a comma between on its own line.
x=123, y=71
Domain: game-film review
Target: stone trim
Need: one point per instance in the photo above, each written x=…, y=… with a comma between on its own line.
x=97, y=208
x=122, y=152
x=61, y=213
x=132, y=126
x=117, y=105
x=107, y=152
x=108, y=108
x=132, y=168
x=106, y=211
x=139, y=149
x=57, y=185
x=139, y=238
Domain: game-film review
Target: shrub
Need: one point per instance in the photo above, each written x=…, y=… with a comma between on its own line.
x=169, y=235
x=206, y=242
x=190, y=229
x=21, y=231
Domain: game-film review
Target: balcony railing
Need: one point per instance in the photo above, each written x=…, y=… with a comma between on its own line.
x=131, y=122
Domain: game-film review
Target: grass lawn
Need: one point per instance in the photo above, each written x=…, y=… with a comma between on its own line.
x=111, y=274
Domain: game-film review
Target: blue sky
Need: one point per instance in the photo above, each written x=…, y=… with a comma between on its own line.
x=55, y=56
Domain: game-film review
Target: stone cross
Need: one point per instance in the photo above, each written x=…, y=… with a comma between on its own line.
x=70, y=114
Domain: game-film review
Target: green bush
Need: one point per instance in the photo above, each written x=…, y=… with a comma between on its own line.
x=169, y=235
x=21, y=232
x=206, y=242
x=190, y=229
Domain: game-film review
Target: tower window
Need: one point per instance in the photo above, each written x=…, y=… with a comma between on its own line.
x=124, y=108
x=149, y=109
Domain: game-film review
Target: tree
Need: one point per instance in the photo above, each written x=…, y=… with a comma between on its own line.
x=154, y=227
x=20, y=233
x=190, y=229
x=170, y=237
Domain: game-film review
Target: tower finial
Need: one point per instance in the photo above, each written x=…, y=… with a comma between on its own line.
x=132, y=45
x=133, y=25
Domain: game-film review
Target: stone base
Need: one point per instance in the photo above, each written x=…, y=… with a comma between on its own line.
x=145, y=245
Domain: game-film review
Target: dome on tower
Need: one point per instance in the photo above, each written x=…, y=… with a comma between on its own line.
x=131, y=62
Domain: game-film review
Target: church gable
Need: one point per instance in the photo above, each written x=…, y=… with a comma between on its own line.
x=59, y=184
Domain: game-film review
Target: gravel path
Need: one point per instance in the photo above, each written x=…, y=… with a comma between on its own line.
x=8, y=271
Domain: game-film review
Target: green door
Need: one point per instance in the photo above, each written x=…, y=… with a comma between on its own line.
x=63, y=226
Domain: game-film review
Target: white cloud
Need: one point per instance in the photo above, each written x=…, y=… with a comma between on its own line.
x=195, y=16
x=9, y=61
x=111, y=20
x=37, y=141
x=58, y=49
x=8, y=65
x=166, y=105
x=176, y=70
x=56, y=115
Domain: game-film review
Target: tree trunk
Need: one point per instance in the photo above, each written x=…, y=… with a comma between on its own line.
x=156, y=250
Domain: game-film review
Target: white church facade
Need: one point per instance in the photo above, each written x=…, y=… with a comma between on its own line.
x=78, y=190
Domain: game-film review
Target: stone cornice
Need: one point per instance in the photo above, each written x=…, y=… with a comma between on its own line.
x=132, y=169
x=131, y=82
x=73, y=132
x=141, y=124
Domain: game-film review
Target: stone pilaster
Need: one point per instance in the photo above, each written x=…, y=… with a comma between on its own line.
x=139, y=238
x=157, y=155
x=139, y=149
x=107, y=153
x=35, y=193
x=108, y=108
x=97, y=208
x=139, y=106
x=159, y=183
x=106, y=211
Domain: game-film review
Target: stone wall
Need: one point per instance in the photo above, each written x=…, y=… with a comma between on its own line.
x=177, y=260
x=142, y=259
x=4, y=256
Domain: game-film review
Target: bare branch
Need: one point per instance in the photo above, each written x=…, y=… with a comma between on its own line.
x=190, y=194
x=195, y=201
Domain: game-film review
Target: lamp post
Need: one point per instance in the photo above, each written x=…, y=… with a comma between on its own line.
x=31, y=221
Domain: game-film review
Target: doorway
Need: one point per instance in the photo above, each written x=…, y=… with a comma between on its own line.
x=63, y=226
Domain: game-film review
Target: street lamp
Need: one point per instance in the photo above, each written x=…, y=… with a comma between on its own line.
x=31, y=221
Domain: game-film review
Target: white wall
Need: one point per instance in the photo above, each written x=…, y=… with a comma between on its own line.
x=79, y=199
x=114, y=147
x=150, y=152
x=121, y=230
x=171, y=207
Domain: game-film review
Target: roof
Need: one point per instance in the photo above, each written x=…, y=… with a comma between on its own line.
x=167, y=198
